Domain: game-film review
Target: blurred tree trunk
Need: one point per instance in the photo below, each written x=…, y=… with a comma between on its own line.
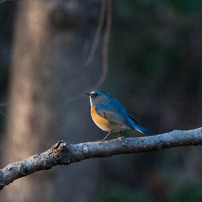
x=47, y=73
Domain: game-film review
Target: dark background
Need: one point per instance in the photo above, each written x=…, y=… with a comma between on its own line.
x=155, y=70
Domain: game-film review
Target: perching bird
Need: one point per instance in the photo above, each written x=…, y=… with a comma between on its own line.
x=109, y=115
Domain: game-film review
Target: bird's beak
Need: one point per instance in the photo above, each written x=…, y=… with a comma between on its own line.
x=88, y=94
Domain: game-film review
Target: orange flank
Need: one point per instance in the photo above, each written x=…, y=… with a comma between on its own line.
x=101, y=122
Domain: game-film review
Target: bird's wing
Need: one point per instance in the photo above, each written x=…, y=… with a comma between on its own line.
x=113, y=112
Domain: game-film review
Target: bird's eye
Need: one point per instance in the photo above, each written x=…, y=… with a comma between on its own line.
x=95, y=94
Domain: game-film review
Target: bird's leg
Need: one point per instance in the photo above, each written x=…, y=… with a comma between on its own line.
x=119, y=136
x=106, y=136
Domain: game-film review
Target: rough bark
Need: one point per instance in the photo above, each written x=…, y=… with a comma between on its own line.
x=63, y=153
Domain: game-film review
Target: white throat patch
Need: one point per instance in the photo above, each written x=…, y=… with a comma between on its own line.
x=91, y=103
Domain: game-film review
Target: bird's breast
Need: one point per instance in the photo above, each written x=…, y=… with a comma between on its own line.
x=101, y=122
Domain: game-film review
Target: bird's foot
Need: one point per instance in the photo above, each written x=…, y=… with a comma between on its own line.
x=120, y=137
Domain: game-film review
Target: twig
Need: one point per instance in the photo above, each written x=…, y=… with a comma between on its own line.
x=97, y=33
x=105, y=45
x=106, y=5
x=63, y=153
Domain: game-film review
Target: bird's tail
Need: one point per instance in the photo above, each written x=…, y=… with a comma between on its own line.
x=141, y=129
x=138, y=127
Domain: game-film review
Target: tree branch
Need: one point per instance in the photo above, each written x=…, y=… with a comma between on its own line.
x=63, y=153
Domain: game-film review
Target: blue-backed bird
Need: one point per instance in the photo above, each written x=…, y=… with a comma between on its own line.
x=109, y=115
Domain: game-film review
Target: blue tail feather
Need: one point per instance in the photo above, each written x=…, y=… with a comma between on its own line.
x=141, y=129
x=137, y=126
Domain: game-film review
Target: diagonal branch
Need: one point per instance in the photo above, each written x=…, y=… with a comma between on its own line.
x=63, y=153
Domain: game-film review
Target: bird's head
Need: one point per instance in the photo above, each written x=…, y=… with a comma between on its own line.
x=98, y=97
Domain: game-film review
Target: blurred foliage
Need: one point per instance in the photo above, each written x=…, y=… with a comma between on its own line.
x=187, y=191
x=184, y=6
x=114, y=192
x=177, y=191
x=152, y=38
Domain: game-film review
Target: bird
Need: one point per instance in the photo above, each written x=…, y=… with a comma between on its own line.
x=110, y=115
